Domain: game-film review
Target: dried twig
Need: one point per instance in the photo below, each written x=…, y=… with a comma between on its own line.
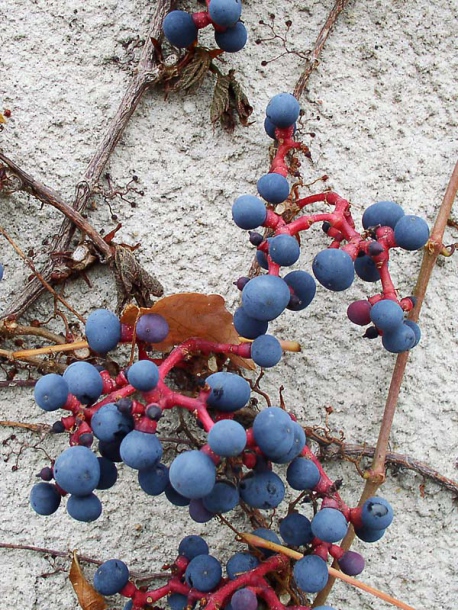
x=82, y=558
x=335, y=449
x=313, y=59
x=145, y=76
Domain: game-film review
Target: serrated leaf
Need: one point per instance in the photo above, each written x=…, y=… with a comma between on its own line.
x=241, y=103
x=194, y=72
x=221, y=101
x=88, y=597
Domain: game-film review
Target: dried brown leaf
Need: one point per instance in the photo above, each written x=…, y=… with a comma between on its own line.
x=240, y=100
x=88, y=598
x=192, y=315
x=194, y=72
x=220, y=103
x=132, y=281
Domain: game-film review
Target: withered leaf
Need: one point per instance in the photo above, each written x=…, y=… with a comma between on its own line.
x=241, y=103
x=192, y=315
x=194, y=72
x=132, y=281
x=229, y=100
x=88, y=598
x=220, y=102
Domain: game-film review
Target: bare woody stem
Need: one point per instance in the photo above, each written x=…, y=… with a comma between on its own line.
x=376, y=474
x=145, y=75
x=313, y=60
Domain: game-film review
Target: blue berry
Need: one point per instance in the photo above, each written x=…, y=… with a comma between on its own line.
x=111, y=577
x=191, y=546
x=376, y=513
x=273, y=187
x=143, y=375
x=248, y=327
x=401, y=339
x=295, y=529
x=334, y=269
x=109, y=424
x=273, y=432
x=84, y=508
x=266, y=351
x=303, y=288
x=51, y=392
x=44, y=498
x=283, y=110
x=387, y=315
x=240, y=563
x=77, y=470
x=227, y=438
x=233, y=39
x=192, y=474
x=248, y=212
x=179, y=29
x=203, y=573
x=411, y=232
x=265, y=297
x=329, y=524
x=154, y=480
x=140, y=450
x=311, y=574
x=384, y=213
x=302, y=474
x=284, y=250
x=223, y=497
x=225, y=13
x=366, y=269
x=84, y=382
x=103, y=330
x=262, y=490
x=229, y=392
x=108, y=473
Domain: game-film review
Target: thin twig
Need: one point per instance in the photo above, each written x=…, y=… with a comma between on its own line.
x=40, y=428
x=376, y=474
x=313, y=59
x=144, y=77
x=334, y=449
x=81, y=558
x=47, y=195
x=44, y=283
x=10, y=328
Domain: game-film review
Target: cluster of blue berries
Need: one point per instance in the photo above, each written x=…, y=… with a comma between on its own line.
x=198, y=579
x=181, y=28
x=364, y=254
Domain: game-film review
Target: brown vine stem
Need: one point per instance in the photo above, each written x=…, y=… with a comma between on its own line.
x=145, y=75
x=47, y=195
x=376, y=474
x=39, y=428
x=334, y=449
x=9, y=329
x=82, y=558
x=313, y=59
x=38, y=276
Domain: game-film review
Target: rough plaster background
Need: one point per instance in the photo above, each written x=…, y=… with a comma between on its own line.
x=383, y=107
